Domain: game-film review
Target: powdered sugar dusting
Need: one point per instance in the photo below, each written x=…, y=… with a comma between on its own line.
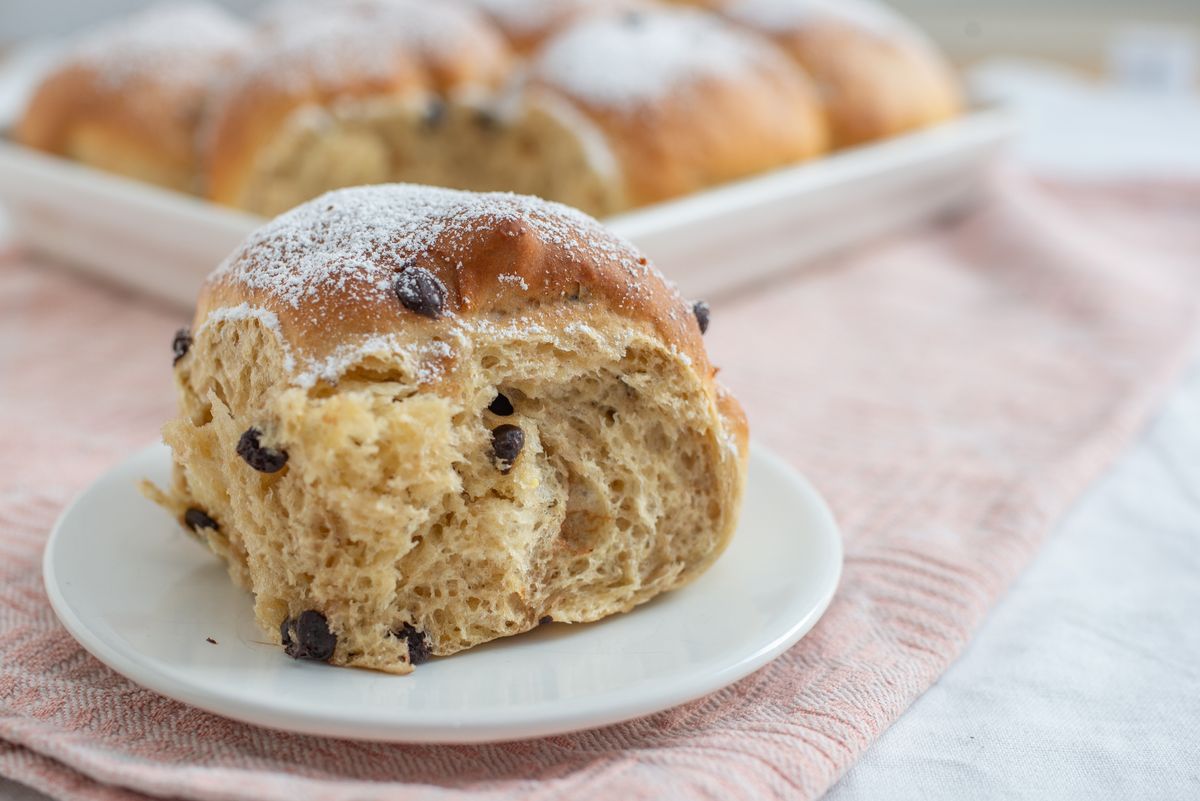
x=683, y=357
x=363, y=39
x=330, y=52
x=577, y=328
x=428, y=358
x=180, y=43
x=355, y=240
x=266, y=317
x=532, y=17
x=356, y=243
x=514, y=280
x=642, y=56
x=730, y=442
x=779, y=16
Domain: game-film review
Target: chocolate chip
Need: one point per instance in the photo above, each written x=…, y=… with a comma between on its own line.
x=501, y=406
x=307, y=636
x=542, y=621
x=421, y=291
x=700, y=309
x=418, y=643
x=181, y=344
x=487, y=120
x=507, y=442
x=264, y=460
x=210, y=641
x=195, y=520
x=435, y=115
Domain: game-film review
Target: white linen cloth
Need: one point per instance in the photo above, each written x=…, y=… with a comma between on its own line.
x=1085, y=681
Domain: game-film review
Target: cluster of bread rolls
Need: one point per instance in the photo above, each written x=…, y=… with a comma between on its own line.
x=601, y=105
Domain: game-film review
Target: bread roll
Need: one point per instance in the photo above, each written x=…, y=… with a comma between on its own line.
x=683, y=100
x=878, y=74
x=413, y=420
x=526, y=142
x=622, y=110
x=129, y=97
x=317, y=105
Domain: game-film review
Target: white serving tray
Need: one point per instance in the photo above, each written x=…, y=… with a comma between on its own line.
x=710, y=243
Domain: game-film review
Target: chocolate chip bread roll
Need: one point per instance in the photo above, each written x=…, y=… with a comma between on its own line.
x=878, y=74
x=615, y=111
x=129, y=97
x=622, y=110
x=413, y=420
x=321, y=102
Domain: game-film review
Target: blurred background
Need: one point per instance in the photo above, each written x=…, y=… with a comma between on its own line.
x=1106, y=88
x=1152, y=42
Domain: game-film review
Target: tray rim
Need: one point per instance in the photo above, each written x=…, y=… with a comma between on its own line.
x=982, y=124
x=717, y=242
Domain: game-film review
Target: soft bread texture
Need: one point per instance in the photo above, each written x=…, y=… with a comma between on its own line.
x=540, y=146
x=878, y=74
x=395, y=516
x=534, y=143
x=129, y=98
x=315, y=107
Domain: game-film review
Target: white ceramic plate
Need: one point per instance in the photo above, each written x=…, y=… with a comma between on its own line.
x=143, y=597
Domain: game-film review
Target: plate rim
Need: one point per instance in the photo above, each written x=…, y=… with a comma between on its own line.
x=489, y=727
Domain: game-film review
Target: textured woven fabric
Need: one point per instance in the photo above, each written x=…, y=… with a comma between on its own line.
x=950, y=391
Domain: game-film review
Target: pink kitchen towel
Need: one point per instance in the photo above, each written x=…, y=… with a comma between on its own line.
x=951, y=391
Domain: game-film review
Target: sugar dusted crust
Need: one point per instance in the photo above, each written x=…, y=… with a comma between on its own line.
x=129, y=96
x=326, y=270
x=685, y=100
x=604, y=105
x=879, y=75
x=528, y=23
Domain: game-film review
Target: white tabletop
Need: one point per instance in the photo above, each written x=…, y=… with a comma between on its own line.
x=1085, y=680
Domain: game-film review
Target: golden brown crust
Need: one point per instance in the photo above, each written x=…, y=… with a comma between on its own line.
x=877, y=74
x=252, y=110
x=148, y=126
x=130, y=99
x=706, y=112
x=328, y=269
x=363, y=49
x=887, y=89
